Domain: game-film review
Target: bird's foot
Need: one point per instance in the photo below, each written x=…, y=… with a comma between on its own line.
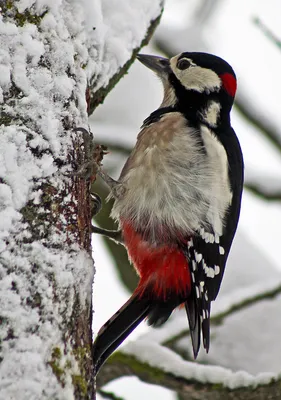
x=93, y=155
x=96, y=204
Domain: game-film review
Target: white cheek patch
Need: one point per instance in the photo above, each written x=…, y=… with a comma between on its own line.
x=196, y=78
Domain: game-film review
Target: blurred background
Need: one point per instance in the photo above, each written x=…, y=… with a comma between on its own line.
x=247, y=34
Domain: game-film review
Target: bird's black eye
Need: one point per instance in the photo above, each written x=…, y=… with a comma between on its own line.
x=183, y=64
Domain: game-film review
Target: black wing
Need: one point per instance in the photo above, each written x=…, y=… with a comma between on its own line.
x=207, y=252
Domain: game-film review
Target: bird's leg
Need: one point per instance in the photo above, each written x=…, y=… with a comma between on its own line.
x=117, y=188
x=89, y=168
x=115, y=235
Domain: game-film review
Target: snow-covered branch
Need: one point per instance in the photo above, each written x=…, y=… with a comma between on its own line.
x=158, y=365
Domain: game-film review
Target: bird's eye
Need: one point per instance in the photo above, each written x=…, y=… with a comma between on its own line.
x=183, y=64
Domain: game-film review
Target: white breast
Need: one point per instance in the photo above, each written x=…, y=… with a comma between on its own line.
x=170, y=180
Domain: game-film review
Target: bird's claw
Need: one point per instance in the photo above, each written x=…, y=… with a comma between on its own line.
x=96, y=204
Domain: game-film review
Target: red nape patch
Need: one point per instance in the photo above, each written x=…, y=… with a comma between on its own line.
x=229, y=83
x=163, y=269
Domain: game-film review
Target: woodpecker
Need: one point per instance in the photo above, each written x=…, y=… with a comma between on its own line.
x=177, y=200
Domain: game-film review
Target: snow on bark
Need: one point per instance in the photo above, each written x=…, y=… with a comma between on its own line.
x=44, y=272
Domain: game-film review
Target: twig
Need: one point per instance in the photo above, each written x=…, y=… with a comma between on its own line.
x=265, y=195
x=109, y=395
x=268, y=33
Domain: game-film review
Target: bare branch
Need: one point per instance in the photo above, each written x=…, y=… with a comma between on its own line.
x=264, y=185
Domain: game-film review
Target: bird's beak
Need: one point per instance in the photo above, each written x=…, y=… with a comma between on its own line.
x=159, y=65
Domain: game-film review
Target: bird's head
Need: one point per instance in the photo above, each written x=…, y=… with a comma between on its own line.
x=193, y=80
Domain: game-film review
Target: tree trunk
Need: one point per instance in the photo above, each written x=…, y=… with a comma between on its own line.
x=46, y=269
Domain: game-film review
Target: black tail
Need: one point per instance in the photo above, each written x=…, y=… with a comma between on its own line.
x=193, y=315
x=133, y=312
x=197, y=310
x=206, y=309
x=118, y=327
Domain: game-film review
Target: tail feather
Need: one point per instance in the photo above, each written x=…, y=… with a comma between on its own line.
x=117, y=328
x=192, y=310
x=198, y=313
x=206, y=306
